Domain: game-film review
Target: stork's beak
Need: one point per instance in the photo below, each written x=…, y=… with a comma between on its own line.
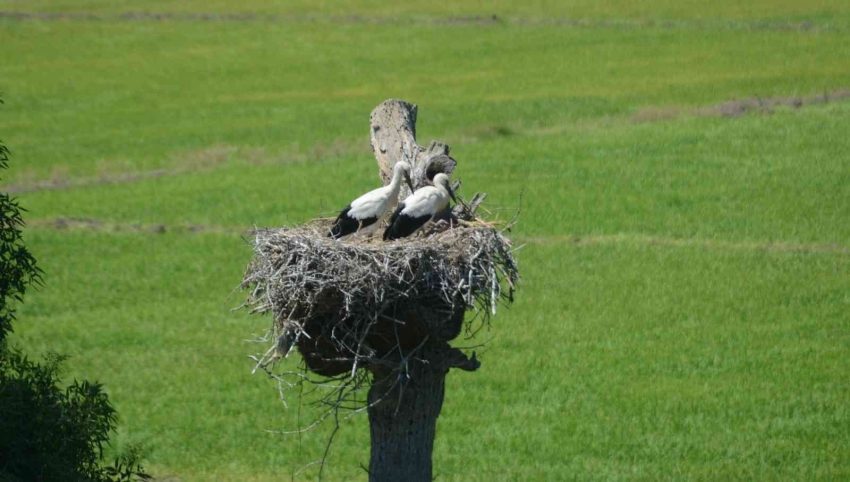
x=452, y=194
x=409, y=183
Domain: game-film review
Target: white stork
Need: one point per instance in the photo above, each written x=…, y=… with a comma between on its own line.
x=362, y=214
x=419, y=208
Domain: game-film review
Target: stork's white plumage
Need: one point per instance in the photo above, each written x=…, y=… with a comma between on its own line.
x=362, y=214
x=420, y=208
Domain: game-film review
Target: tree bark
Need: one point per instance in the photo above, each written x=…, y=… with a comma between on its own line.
x=403, y=412
x=403, y=423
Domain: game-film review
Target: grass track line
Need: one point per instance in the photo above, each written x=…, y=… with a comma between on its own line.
x=103, y=179
x=192, y=162
x=493, y=20
x=98, y=225
x=638, y=239
x=738, y=107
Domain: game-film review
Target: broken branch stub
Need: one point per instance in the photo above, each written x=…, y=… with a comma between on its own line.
x=393, y=136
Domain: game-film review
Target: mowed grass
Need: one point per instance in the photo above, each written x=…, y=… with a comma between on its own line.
x=684, y=307
x=577, y=9
x=620, y=362
x=779, y=178
x=119, y=95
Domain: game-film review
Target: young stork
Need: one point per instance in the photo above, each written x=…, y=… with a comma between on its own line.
x=420, y=208
x=362, y=214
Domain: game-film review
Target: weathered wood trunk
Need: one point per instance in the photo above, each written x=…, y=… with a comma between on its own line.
x=404, y=406
x=403, y=423
x=393, y=136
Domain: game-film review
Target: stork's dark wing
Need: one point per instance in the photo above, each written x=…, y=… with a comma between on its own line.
x=393, y=219
x=344, y=224
x=402, y=225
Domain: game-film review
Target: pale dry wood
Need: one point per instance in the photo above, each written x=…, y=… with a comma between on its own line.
x=393, y=136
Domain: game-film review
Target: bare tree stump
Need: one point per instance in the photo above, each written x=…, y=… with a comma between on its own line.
x=403, y=410
x=383, y=312
x=403, y=423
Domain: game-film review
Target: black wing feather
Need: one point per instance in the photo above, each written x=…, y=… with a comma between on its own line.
x=402, y=225
x=345, y=224
x=392, y=221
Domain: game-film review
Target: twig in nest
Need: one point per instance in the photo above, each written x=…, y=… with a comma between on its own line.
x=514, y=220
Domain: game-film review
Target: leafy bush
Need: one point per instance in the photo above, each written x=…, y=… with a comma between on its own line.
x=47, y=433
x=17, y=265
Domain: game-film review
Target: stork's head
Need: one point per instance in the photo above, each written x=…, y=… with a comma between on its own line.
x=445, y=182
x=402, y=168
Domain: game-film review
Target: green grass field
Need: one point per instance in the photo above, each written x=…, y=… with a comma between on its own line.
x=685, y=309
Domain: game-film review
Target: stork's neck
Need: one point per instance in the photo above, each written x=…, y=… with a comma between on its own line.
x=395, y=183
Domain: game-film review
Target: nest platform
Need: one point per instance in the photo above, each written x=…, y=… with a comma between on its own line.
x=363, y=303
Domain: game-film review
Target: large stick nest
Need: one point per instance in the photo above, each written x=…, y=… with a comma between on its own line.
x=364, y=303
